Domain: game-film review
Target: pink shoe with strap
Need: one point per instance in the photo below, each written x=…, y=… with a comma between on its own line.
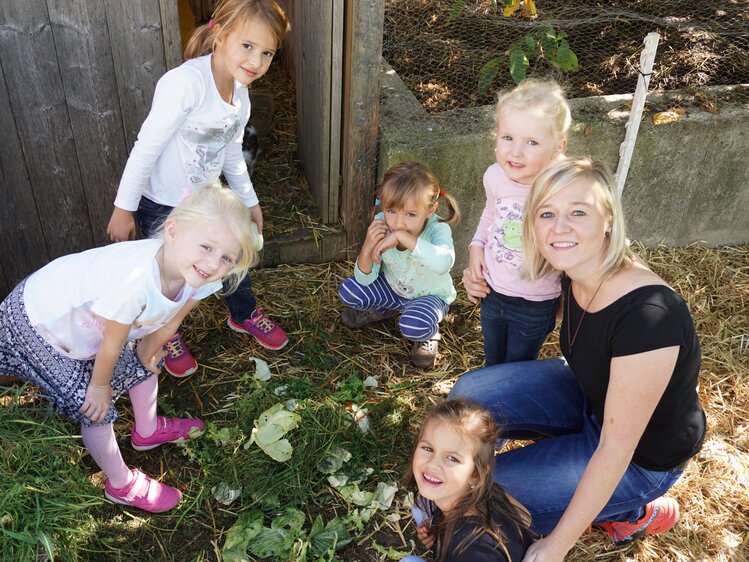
x=168, y=430
x=145, y=493
x=179, y=362
x=263, y=329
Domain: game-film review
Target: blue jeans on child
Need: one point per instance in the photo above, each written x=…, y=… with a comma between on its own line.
x=421, y=316
x=150, y=215
x=543, y=397
x=515, y=328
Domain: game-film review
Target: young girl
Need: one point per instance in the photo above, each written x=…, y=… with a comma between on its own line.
x=193, y=134
x=89, y=327
x=516, y=314
x=404, y=263
x=465, y=515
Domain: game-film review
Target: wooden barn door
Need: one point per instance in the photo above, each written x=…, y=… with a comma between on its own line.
x=76, y=82
x=317, y=44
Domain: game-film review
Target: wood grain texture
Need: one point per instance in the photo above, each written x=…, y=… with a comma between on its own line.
x=135, y=34
x=37, y=99
x=85, y=58
x=361, y=114
x=171, y=33
x=313, y=54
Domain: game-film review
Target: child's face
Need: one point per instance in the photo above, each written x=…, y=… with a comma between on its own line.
x=200, y=253
x=245, y=53
x=412, y=217
x=526, y=145
x=443, y=465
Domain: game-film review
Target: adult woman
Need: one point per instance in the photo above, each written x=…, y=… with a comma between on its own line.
x=621, y=408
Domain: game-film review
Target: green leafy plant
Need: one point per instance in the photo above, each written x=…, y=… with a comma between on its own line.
x=286, y=538
x=542, y=43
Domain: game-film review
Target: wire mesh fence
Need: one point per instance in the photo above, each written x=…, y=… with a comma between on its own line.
x=458, y=53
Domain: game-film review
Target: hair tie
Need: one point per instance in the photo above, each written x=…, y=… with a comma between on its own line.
x=377, y=201
x=210, y=23
x=442, y=193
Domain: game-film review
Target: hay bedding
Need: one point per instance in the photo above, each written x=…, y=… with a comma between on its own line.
x=714, y=282
x=712, y=494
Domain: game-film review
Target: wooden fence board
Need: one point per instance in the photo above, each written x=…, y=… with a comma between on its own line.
x=138, y=52
x=171, y=34
x=361, y=114
x=22, y=246
x=316, y=115
x=36, y=94
x=85, y=58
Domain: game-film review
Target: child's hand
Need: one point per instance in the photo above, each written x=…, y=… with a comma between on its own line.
x=376, y=231
x=425, y=535
x=153, y=363
x=389, y=241
x=96, y=403
x=121, y=226
x=476, y=289
x=257, y=217
x=476, y=262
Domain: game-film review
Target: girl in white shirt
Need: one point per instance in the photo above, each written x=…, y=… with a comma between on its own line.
x=88, y=327
x=193, y=134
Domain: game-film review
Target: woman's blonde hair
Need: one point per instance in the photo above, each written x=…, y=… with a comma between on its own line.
x=413, y=180
x=486, y=497
x=543, y=94
x=618, y=254
x=217, y=204
x=230, y=14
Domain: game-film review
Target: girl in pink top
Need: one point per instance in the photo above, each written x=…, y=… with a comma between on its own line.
x=516, y=314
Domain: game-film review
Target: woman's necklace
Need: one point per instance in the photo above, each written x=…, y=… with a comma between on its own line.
x=571, y=339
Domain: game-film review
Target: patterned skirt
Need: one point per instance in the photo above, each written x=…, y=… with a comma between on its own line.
x=26, y=354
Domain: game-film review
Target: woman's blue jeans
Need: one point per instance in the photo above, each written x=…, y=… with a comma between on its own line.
x=150, y=215
x=543, y=397
x=514, y=328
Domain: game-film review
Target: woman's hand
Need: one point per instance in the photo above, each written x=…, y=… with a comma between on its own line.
x=257, y=217
x=545, y=550
x=476, y=288
x=121, y=226
x=425, y=535
x=96, y=403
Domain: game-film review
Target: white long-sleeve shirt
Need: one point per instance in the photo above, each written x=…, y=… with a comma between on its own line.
x=190, y=136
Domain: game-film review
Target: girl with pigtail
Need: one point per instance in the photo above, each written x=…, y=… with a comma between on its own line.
x=404, y=263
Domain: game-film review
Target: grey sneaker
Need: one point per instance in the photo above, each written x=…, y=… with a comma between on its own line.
x=424, y=352
x=356, y=319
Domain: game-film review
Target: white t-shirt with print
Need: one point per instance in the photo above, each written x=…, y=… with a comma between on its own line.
x=68, y=300
x=190, y=136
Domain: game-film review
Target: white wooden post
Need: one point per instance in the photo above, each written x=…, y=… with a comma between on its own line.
x=647, y=58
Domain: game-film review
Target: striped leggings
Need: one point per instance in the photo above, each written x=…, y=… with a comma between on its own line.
x=421, y=316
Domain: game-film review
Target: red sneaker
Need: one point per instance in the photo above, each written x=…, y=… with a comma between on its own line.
x=179, y=361
x=660, y=516
x=168, y=430
x=263, y=329
x=145, y=493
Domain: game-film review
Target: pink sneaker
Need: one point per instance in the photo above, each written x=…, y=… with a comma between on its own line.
x=263, y=329
x=179, y=361
x=145, y=493
x=168, y=430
